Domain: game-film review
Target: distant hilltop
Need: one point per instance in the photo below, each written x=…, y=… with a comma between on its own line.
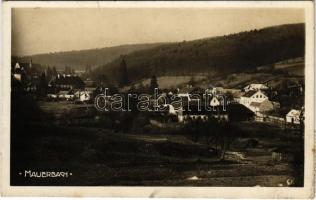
x=234, y=53
x=82, y=59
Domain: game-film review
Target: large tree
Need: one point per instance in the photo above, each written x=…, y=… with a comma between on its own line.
x=123, y=74
x=54, y=71
x=49, y=73
x=192, y=81
x=103, y=80
x=153, y=84
x=43, y=85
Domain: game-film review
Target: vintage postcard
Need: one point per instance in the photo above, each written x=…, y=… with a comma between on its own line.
x=157, y=99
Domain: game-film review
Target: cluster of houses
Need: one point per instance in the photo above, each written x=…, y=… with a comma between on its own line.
x=256, y=100
x=250, y=102
x=28, y=74
x=70, y=88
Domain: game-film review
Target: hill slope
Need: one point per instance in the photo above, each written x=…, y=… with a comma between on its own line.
x=81, y=59
x=241, y=52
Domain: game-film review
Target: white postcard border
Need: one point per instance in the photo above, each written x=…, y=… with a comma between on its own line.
x=217, y=192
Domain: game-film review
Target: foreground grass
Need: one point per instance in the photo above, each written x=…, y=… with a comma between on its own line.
x=101, y=157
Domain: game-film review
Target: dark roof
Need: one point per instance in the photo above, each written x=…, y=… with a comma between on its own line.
x=238, y=110
x=18, y=71
x=250, y=93
x=69, y=80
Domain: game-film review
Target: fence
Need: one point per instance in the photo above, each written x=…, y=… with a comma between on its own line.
x=279, y=121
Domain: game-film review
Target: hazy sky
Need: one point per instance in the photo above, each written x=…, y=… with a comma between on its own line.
x=44, y=30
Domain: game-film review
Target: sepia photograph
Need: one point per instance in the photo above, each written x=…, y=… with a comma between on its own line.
x=160, y=96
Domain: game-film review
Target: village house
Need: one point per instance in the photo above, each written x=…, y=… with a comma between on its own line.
x=252, y=96
x=69, y=96
x=62, y=93
x=52, y=96
x=234, y=112
x=17, y=72
x=24, y=71
x=197, y=110
x=255, y=87
x=258, y=102
x=193, y=113
x=215, y=102
x=217, y=90
x=67, y=82
x=264, y=106
x=65, y=95
x=293, y=116
x=220, y=90
x=27, y=74
x=30, y=69
x=82, y=95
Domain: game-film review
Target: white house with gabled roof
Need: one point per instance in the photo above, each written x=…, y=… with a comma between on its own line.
x=253, y=96
x=214, y=102
x=253, y=100
x=17, y=72
x=293, y=116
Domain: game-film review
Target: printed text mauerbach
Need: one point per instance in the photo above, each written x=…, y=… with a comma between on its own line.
x=45, y=174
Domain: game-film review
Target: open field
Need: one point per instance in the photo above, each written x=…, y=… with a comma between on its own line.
x=172, y=81
x=236, y=80
x=297, y=68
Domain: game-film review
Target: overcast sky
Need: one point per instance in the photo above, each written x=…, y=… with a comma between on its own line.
x=45, y=30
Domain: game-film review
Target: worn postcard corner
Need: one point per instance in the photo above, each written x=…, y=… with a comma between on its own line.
x=158, y=99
